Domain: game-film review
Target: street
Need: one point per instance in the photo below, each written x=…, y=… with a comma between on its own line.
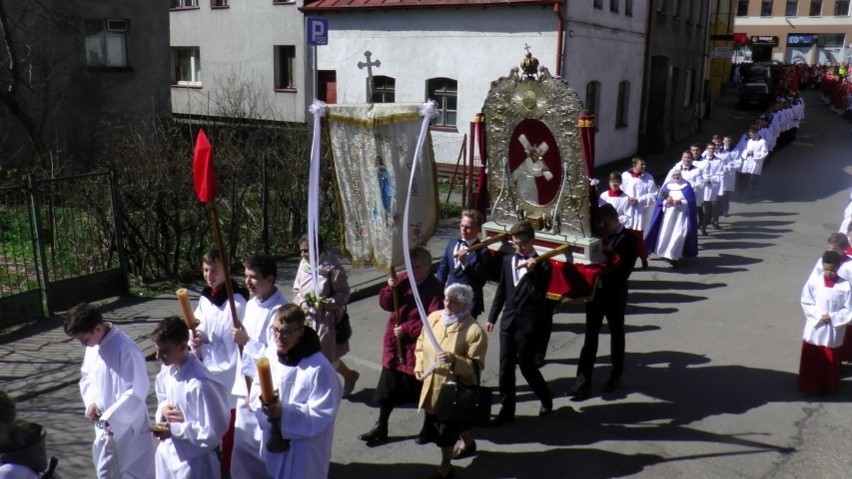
x=709, y=389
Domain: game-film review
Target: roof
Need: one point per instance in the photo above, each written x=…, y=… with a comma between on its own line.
x=341, y=5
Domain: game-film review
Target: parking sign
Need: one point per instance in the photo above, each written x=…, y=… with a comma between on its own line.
x=316, y=31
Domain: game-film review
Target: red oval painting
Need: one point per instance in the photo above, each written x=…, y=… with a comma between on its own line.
x=534, y=164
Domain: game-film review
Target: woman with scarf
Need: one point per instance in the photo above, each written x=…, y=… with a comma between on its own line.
x=463, y=343
x=673, y=232
x=325, y=307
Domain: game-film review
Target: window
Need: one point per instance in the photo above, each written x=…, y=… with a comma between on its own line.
x=742, y=8
x=830, y=39
x=816, y=8
x=676, y=8
x=593, y=95
x=613, y=6
x=766, y=8
x=106, y=42
x=218, y=3
x=285, y=59
x=628, y=8
x=445, y=92
x=186, y=66
x=384, y=89
x=598, y=4
x=792, y=8
x=623, y=101
x=689, y=88
x=841, y=7
x=689, y=11
x=178, y=4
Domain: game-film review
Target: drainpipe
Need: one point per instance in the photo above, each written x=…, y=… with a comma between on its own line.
x=560, y=36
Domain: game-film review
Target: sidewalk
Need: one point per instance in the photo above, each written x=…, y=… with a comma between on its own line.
x=38, y=358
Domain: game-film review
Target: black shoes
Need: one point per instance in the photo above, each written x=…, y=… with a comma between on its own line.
x=612, y=384
x=502, y=418
x=545, y=409
x=644, y=263
x=425, y=436
x=582, y=390
x=377, y=435
x=717, y=226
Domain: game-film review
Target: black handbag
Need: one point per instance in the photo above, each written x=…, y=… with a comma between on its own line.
x=464, y=405
x=343, y=328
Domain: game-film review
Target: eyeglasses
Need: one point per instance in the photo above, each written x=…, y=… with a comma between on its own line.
x=453, y=302
x=284, y=332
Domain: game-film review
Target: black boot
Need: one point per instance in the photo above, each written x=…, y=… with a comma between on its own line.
x=377, y=435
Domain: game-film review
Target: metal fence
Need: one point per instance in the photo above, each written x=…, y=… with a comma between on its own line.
x=60, y=244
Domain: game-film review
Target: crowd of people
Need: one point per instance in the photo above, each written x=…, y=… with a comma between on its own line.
x=214, y=420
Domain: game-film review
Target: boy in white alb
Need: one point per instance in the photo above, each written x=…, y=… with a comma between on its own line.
x=114, y=386
x=214, y=344
x=617, y=198
x=640, y=187
x=254, y=336
x=827, y=304
x=192, y=408
x=308, y=397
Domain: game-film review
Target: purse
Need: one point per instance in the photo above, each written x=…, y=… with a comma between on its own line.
x=343, y=328
x=464, y=405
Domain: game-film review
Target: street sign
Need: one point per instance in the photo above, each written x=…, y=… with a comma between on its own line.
x=316, y=31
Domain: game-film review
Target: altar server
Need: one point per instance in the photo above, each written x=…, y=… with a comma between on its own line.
x=827, y=304
x=640, y=187
x=254, y=336
x=617, y=198
x=192, y=411
x=753, y=154
x=309, y=394
x=114, y=385
x=214, y=344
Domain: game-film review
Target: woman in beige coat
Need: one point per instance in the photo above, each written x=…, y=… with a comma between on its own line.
x=463, y=342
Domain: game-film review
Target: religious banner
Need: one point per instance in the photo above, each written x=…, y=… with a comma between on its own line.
x=372, y=148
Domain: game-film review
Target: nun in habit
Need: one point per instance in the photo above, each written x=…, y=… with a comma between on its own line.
x=673, y=232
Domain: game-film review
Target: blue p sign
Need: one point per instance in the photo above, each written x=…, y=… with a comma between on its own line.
x=316, y=30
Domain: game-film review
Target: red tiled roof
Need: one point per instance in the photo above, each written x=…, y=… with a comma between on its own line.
x=332, y=5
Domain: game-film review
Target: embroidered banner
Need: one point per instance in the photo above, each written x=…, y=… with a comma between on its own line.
x=372, y=148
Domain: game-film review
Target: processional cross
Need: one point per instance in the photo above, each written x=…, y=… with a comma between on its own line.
x=369, y=64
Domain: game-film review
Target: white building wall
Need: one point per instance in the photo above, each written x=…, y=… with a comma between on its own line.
x=476, y=46
x=239, y=41
x=608, y=47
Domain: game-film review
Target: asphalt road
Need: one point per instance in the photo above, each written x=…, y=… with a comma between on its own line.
x=713, y=347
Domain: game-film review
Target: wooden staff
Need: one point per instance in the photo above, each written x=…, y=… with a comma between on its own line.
x=400, y=352
x=542, y=257
x=482, y=244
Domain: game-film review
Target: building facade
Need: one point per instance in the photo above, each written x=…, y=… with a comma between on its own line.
x=795, y=31
x=81, y=66
x=674, y=72
x=451, y=51
x=238, y=59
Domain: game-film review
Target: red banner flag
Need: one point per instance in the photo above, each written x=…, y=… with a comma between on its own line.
x=204, y=175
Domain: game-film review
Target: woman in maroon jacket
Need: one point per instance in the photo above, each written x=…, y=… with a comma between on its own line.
x=397, y=384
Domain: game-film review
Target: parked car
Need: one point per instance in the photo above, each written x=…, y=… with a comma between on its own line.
x=754, y=95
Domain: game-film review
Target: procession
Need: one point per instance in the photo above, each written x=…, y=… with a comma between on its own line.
x=256, y=376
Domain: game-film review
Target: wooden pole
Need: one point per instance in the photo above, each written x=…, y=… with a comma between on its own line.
x=399, y=350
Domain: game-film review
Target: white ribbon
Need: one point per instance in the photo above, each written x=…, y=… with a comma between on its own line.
x=318, y=109
x=428, y=111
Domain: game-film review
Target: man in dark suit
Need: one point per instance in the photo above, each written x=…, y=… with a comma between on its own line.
x=470, y=268
x=610, y=300
x=521, y=298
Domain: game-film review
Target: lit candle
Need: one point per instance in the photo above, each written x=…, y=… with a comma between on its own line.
x=264, y=374
x=188, y=315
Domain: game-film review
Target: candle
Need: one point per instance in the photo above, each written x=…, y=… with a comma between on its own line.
x=188, y=315
x=264, y=374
